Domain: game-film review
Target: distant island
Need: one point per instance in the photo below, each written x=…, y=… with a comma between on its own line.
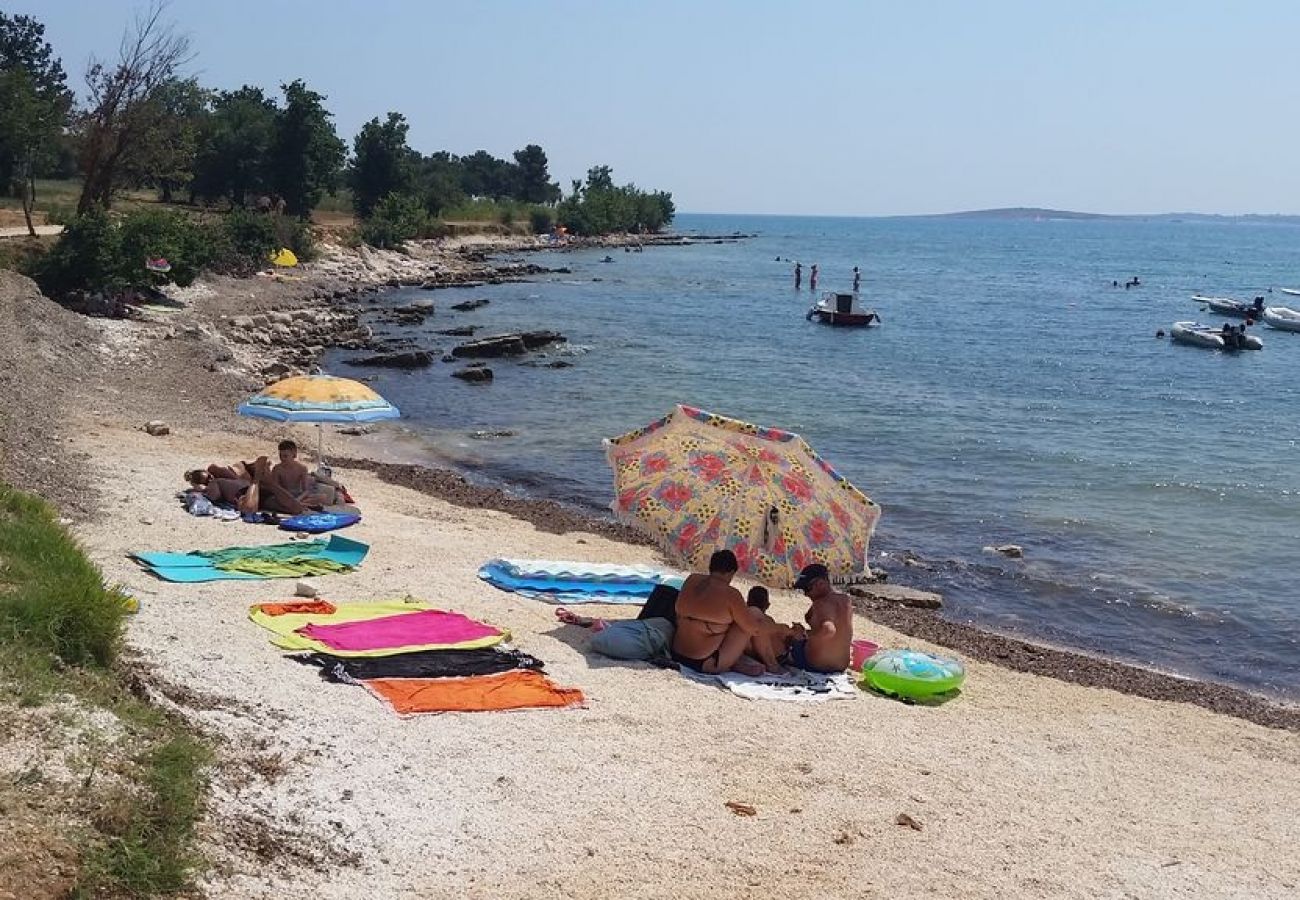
x=1040, y=213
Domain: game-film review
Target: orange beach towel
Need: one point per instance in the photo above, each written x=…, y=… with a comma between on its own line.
x=516, y=689
x=324, y=607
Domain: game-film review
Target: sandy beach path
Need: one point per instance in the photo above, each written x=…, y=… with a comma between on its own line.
x=1023, y=786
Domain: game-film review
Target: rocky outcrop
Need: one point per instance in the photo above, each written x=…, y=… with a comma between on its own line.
x=895, y=595
x=406, y=359
x=536, y=339
x=460, y=331
x=468, y=305
x=508, y=344
x=473, y=374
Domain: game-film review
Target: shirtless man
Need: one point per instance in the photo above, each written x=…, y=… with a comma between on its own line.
x=830, y=624
x=288, y=487
x=713, y=624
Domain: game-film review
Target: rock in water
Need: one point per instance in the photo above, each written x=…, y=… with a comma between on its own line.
x=408, y=359
x=501, y=345
x=474, y=374
x=534, y=339
x=467, y=305
x=1012, y=551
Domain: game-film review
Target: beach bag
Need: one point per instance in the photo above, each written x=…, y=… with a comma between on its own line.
x=644, y=639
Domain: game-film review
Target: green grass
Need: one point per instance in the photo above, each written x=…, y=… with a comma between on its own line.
x=53, y=599
x=60, y=633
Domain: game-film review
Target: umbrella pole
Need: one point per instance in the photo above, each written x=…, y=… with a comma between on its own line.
x=320, y=443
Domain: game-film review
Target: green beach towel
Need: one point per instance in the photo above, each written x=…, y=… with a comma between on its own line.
x=292, y=560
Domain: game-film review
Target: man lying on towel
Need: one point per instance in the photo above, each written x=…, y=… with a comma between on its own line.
x=824, y=646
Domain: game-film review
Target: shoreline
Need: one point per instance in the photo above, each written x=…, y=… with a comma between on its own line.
x=1014, y=652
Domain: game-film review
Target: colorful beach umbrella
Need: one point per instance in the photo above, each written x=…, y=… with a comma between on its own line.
x=699, y=482
x=317, y=399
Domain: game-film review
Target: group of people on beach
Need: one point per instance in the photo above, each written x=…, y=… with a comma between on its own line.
x=718, y=630
x=709, y=627
x=287, y=487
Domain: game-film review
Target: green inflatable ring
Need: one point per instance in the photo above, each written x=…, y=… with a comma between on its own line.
x=912, y=674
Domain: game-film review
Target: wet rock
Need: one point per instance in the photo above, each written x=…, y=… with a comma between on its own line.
x=500, y=345
x=548, y=364
x=447, y=357
x=1011, y=551
x=157, y=427
x=897, y=595
x=473, y=374
x=460, y=331
x=535, y=339
x=407, y=359
x=467, y=305
x=490, y=435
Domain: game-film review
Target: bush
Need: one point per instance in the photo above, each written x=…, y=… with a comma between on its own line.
x=86, y=256
x=541, y=219
x=250, y=235
x=54, y=598
x=397, y=218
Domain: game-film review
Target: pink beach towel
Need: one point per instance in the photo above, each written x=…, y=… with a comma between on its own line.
x=428, y=626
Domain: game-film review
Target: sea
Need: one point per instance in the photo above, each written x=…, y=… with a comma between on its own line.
x=1013, y=394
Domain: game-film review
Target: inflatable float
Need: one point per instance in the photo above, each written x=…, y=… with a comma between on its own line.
x=912, y=674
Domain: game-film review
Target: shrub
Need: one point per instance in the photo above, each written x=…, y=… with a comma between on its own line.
x=541, y=219
x=397, y=218
x=86, y=256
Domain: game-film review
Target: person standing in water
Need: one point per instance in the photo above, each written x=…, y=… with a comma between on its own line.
x=812, y=279
x=798, y=276
x=857, y=279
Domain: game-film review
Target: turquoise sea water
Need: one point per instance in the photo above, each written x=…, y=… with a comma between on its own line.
x=1012, y=395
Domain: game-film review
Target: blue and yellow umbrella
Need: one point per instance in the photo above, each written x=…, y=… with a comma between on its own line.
x=317, y=399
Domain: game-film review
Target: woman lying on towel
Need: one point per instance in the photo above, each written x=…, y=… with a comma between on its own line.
x=232, y=485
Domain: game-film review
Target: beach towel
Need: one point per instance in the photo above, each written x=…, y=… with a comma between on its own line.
x=271, y=561
x=322, y=607
x=424, y=664
x=554, y=581
x=798, y=687
x=423, y=628
x=285, y=627
x=317, y=522
x=518, y=689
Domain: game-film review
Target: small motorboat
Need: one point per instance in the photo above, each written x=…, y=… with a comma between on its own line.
x=835, y=308
x=1226, y=306
x=1282, y=318
x=1197, y=335
x=1294, y=292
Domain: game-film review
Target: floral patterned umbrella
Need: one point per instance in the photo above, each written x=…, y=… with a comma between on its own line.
x=699, y=482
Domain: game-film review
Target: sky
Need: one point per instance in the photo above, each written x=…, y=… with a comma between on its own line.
x=816, y=108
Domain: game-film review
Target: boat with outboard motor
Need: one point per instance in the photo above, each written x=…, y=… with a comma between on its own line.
x=1227, y=306
x=840, y=308
x=1195, y=334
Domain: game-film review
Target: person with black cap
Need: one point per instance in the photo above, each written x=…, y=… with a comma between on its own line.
x=826, y=647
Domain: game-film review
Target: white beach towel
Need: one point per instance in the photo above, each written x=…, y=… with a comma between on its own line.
x=798, y=687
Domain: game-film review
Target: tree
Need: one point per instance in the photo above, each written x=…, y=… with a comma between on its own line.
x=382, y=163
x=41, y=94
x=171, y=121
x=123, y=102
x=438, y=181
x=306, y=155
x=535, y=185
x=483, y=175
x=600, y=178
x=234, y=147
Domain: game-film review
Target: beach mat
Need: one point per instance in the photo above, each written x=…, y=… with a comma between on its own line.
x=285, y=628
x=422, y=628
x=421, y=664
x=200, y=566
x=518, y=689
x=797, y=687
x=554, y=581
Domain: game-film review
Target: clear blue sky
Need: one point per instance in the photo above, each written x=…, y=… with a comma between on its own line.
x=841, y=108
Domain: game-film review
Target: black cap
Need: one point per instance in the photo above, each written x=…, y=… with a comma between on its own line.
x=810, y=574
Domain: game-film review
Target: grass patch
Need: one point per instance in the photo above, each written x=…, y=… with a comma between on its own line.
x=60, y=633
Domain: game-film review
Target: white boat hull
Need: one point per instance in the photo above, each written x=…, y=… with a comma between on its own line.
x=1195, y=334
x=1282, y=318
